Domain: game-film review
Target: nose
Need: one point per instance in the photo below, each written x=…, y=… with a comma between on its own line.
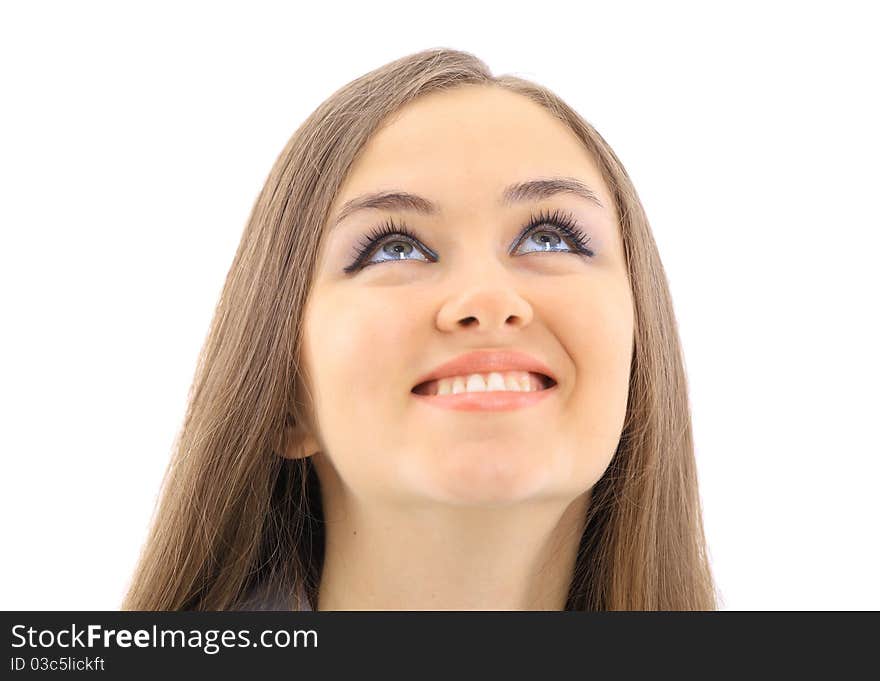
x=485, y=308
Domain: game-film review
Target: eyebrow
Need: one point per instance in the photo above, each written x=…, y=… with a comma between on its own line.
x=518, y=192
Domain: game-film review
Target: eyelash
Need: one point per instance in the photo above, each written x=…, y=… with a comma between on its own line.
x=564, y=223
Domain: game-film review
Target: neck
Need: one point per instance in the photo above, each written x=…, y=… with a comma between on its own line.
x=519, y=557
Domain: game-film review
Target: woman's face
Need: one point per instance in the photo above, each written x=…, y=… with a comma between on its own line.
x=468, y=283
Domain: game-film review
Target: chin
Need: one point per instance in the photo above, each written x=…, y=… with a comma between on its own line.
x=474, y=478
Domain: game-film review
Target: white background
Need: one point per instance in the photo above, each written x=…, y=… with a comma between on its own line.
x=135, y=138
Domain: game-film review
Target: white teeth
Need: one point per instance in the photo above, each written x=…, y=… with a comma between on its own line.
x=475, y=384
x=516, y=381
x=495, y=382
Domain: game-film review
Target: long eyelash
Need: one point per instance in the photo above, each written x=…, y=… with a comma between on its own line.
x=566, y=224
x=372, y=239
x=563, y=222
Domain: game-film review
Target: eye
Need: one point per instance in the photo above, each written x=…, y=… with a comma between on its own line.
x=564, y=227
x=391, y=249
x=547, y=240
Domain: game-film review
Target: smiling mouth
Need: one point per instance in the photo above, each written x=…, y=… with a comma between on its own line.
x=542, y=382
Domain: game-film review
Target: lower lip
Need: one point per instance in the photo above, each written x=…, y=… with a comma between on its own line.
x=500, y=400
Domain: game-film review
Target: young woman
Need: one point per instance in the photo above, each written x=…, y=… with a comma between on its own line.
x=444, y=373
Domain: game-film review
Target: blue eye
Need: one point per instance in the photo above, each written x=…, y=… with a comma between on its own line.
x=544, y=240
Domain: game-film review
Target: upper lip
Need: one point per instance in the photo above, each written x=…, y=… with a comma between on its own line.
x=485, y=361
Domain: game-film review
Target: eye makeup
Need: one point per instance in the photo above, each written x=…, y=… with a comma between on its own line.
x=563, y=225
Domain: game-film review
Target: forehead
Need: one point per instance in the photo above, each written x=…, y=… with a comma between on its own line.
x=462, y=146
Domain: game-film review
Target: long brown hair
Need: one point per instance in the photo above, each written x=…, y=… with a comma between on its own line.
x=235, y=516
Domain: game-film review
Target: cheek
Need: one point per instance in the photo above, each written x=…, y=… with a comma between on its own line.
x=353, y=340
x=599, y=337
x=356, y=348
x=599, y=321
x=601, y=332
